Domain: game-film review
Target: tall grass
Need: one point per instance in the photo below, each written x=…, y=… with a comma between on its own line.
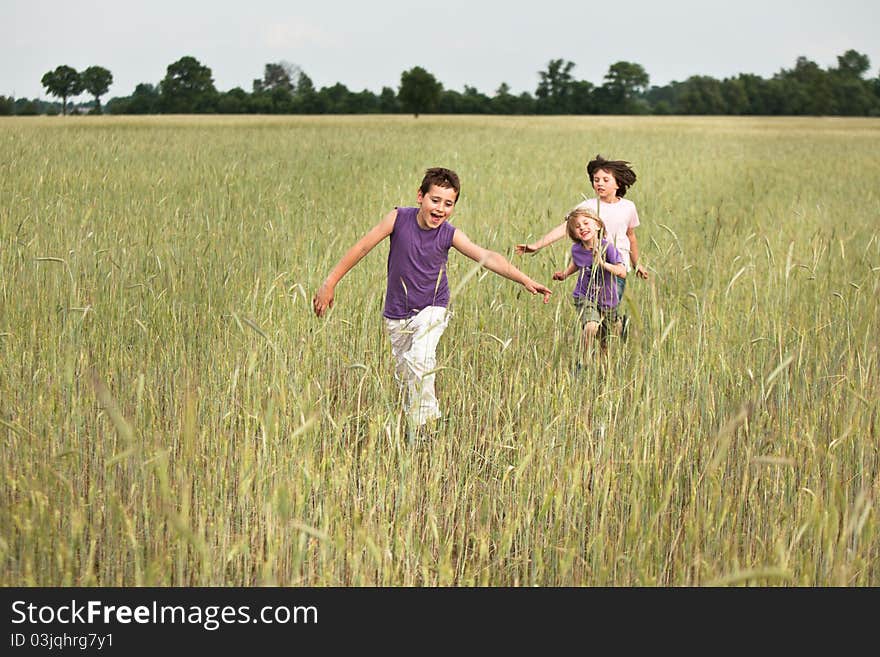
x=173, y=414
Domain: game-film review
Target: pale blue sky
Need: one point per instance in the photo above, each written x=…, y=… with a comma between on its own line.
x=366, y=45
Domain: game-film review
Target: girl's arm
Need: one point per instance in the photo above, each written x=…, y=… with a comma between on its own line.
x=616, y=268
x=324, y=296
x=548, y=239
x=562, y=275
x=641, y=272
x=496, y=262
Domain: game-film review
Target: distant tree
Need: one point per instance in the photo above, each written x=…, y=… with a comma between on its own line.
x=662, y=99
x=582, y=100
x=388, y=101
x=451, y=102
x=853, y=63
x=662, y=108
x=758, y=92
x=781, y=97
x=364, y=102
x=62, y=83
x=304, y=84
x=807, y=89
x=503, y=102
x=275, y=93
x=875, y=86
x=804, y=89
x=25, y=107
x=281, y=75
x=474, y=102
x=306, y=97
x=555, y=87
x=187, y=88
x=526, y=103
x=260, y=103
x=234, y=101
x=282, y=100
x=419, y=91
x=335, y=99
x=7, y=106
x=700, y=94
x=623, y=83
x=736, y=99
x=853, y=95
x=96, y=80
x=146, y=99
x=118, y=105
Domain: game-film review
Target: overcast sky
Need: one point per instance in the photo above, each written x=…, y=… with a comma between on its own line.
x=367, y=45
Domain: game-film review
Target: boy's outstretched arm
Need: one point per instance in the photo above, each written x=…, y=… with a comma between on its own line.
x=498, y=263
x=324, y=296
x=548, y=239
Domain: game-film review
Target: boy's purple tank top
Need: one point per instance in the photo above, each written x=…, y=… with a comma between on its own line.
x=416, y=266
x=595, y=283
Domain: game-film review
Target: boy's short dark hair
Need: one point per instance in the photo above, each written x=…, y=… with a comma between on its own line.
x=620, y=169
x=442, y=178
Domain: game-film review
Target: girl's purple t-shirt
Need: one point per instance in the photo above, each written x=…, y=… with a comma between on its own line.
x=594, y=283
x=416, y=266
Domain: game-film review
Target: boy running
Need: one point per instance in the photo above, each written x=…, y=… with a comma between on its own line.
x=417, y=291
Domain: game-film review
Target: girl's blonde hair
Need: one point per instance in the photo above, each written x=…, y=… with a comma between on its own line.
x=571, y=223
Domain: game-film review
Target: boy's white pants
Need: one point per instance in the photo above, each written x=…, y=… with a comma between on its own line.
x=414, y=346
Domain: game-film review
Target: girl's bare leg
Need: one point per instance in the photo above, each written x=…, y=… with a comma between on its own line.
x=591, y=329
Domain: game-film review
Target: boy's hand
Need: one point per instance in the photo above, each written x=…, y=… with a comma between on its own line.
x=524, y=248
x=537, y=288
x=641, y=272
x=323, y=299
x=558, y=276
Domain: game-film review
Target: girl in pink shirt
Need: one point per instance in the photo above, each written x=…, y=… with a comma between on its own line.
x=610, y=180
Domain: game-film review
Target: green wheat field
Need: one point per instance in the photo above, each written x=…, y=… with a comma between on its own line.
x=173, y=413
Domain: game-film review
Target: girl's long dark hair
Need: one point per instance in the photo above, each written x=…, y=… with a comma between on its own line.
x=620, y=169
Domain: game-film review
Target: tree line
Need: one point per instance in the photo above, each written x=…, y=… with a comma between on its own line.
x=188, y=88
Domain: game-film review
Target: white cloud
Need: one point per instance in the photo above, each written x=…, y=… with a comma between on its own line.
x=297, y=33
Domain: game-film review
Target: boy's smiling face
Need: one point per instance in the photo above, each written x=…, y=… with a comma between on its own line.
x=436, y=206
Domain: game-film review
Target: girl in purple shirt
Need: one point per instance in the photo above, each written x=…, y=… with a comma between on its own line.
x=597, y=262
x=417, y=292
